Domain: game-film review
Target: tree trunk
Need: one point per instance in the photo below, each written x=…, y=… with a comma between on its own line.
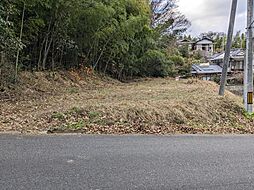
x=106, y=66
x=102, y=51
x=20, y=40
x=46, y=52
x=61, y=57
x=47, y=44
x=40, y=56
x=52, y=57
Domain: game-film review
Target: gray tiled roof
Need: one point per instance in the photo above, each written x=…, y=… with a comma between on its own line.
x=235, y=53
x=208, y=69
x=204, y=38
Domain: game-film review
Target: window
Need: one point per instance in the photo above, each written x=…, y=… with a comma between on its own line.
x=206, y=78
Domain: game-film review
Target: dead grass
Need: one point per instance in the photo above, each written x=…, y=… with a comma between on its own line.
x=151, y=106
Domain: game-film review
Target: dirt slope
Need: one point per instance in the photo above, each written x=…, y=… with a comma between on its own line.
x=70, y=102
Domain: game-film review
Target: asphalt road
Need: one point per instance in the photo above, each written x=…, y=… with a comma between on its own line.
x=126, y=162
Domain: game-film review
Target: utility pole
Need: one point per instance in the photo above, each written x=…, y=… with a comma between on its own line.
x=248, y=70
x=228, y=48
x=245, y=79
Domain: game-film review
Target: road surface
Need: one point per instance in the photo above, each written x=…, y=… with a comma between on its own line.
x=126, y=162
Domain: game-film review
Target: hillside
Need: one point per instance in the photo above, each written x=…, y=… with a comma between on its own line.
x=95, y=105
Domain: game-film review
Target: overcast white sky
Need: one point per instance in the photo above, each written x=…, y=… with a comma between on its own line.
x=212, y=15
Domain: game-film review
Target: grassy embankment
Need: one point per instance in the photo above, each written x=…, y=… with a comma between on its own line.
x=71, y=102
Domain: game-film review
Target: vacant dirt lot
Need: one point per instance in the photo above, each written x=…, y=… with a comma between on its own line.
x=68, y=102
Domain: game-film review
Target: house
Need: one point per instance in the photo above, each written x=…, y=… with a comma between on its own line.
x=185, y=43
x=236, y=62
x=206, y=71
x=205, y=46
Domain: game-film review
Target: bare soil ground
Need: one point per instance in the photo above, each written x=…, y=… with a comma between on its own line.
x=75, y=102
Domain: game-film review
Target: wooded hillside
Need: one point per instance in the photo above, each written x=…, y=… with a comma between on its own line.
x=122, y=38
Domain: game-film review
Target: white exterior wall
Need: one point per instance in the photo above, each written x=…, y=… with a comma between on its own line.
x=205, y=46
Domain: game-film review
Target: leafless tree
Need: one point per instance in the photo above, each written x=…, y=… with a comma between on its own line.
x=167, y=17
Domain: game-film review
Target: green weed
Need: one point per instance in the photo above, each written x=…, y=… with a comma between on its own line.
x=58, y=115
x=78, y=125
x=249, y=115
x=73, y=90
x=93, y=115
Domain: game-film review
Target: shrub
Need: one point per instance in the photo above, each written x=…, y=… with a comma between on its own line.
x=177, y=60
x=182, y=66
x=184, y=50
x=154, y=63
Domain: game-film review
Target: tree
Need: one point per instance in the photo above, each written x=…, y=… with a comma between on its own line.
x=237, y=41
x=108, y=36
x=8, y=42
x=243, y=41
x=167, y=18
